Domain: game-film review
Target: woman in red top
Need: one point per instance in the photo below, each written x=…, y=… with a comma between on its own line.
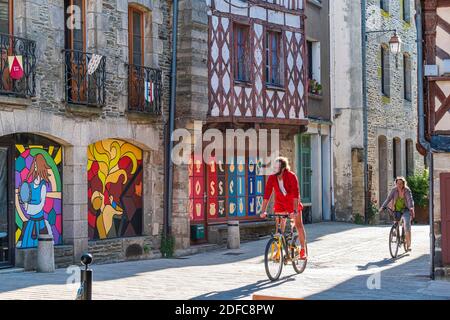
x=287, y=199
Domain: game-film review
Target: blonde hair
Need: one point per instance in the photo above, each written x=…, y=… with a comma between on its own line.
x=284, y=163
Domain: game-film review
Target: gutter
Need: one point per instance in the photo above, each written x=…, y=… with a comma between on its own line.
x=421, y=129
x=365, y=107
x=168, y=203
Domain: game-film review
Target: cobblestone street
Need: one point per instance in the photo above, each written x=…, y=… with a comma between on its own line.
x=342, y=258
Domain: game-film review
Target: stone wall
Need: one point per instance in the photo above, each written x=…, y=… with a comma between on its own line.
x=48, y=114
x=394, y=116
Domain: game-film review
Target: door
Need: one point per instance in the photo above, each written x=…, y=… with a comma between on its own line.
x=6, y=223
x=445, y=217
x=304, y=170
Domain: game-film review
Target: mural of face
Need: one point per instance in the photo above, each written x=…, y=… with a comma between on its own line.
x=114, y=189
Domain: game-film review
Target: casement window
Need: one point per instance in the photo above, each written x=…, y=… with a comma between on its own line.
x=241, y=53
x=274, y=56
x=406, y=10
x=396, y=157
x=407, y=77
x=6, y=17
x=136, y=36
x=384, y=4
x=75, y=26
x=385, y=72
x=409, y=157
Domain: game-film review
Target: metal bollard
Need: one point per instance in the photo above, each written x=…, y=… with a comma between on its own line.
x=85, y=291
x=234, y=239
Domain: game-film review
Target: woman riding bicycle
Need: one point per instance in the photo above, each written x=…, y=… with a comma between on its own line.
x=287, y=199
x=400, y=201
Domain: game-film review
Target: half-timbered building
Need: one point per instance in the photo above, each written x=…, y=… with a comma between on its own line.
x=434, y=129
x=247, y=70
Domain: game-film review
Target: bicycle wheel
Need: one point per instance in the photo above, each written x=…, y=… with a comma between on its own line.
x=273, y=259
x=394, y=239
x=298, y=264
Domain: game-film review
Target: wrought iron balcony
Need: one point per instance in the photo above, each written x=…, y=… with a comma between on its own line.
x=144, y=89
x=10, y=47
x=85, y=75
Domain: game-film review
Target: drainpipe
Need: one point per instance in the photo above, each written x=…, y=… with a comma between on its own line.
x=169, y=143
x=421, y=129
x=365, y=107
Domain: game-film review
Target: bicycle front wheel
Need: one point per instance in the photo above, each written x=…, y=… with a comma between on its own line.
x=298, y=264
x=273, y=259
x=394, y=241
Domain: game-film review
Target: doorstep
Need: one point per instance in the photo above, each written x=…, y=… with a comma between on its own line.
x=199, y=248
x=11, y=270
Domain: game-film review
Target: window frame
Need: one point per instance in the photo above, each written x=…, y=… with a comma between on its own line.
x=246, y=53
x=268, y=69
x=69, y=44
x=385, y=72
x=10, y=17
x=407, y=78
x=131, y=10
x=384, y=5
x=406, y=11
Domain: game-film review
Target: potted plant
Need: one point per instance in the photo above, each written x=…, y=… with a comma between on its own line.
x=315, y=87
x=419, y=185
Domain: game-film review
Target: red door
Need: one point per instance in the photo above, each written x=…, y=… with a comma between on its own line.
x=445, y=216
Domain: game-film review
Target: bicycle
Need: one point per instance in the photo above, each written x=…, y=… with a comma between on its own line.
x=397, y=235
x=275, y=258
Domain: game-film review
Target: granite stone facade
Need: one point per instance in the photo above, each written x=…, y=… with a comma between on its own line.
x=76, y=127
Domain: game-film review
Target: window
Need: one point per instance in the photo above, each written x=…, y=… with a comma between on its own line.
x=75, y=38
x=409, y=156
x=314, y=75
x=6, y=17
x=406, y=10
x=273, y=58
x=242, y=53
x=407, y=77
x=384, y=4
x=385, y=72
x=396, y=157
x=136, y=36
x=304, y=166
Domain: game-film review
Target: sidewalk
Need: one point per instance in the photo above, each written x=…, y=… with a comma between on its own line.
x=342, y=258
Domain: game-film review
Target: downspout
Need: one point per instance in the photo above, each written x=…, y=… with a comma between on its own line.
x=169, y=143
x=365, y=107
x=421, y=129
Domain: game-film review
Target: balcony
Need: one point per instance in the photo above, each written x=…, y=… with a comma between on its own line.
x=85, y=78
x=11, y=46
x=144, y=89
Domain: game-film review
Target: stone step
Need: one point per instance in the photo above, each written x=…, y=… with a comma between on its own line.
x=11, y=270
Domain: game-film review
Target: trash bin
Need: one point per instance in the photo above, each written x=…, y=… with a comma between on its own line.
x=45, y=254
x=234, y=239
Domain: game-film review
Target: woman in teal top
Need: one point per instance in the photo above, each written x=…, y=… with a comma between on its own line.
x=400, y=200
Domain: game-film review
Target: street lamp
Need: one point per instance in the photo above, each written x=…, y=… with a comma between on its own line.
x=395, y=44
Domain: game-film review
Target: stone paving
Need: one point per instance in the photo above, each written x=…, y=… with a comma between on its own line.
x=343, y=259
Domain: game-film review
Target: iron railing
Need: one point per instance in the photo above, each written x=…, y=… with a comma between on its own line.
x=15, y=46
x=144, y=89
x=85, y=80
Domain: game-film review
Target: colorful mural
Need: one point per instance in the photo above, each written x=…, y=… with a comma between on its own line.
x=37, y=194
x=233, y=190
x=114, y=189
